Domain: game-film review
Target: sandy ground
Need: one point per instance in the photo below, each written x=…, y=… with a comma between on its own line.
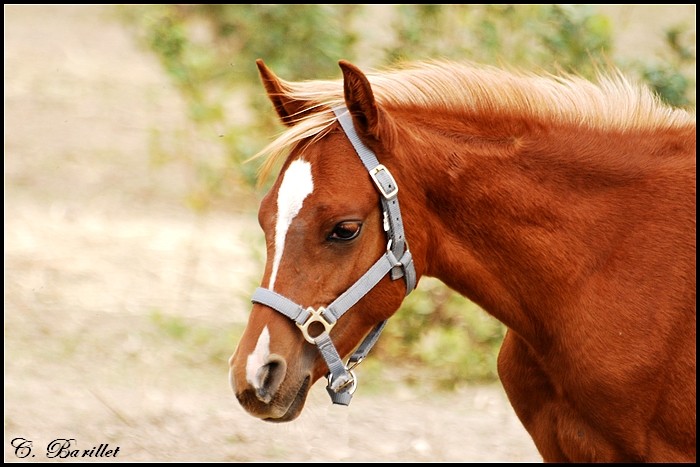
x=121, y=305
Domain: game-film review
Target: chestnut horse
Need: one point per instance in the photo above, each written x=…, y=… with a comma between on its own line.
x=564, y=208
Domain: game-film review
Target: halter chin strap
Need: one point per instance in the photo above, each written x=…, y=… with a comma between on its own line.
x=397, y=261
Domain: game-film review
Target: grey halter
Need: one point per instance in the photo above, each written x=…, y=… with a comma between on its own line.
x=397, y=261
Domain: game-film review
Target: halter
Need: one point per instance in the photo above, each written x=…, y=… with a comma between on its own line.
x=397, y=261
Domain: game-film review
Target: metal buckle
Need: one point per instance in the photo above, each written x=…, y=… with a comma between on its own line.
x=316, y=316
x=352, y=382
x=352, y=364
x=373, y=173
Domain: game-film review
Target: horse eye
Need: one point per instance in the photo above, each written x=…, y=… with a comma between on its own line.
x=345, y=231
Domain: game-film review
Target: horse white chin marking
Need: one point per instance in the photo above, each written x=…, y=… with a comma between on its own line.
x=296, y=185
x=258, y=358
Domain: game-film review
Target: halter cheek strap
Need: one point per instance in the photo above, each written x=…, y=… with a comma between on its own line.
x=397, y=261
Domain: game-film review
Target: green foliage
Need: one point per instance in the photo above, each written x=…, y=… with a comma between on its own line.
x=209, y=52
x=444, y=332
x=667, y=77
x=550, y=37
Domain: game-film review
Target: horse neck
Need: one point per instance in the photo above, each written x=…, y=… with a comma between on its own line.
x=514, y=217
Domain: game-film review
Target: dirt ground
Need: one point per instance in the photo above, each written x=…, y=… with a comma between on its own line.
x=118, y=298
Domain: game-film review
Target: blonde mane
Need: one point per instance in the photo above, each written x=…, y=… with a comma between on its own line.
x=613, y=103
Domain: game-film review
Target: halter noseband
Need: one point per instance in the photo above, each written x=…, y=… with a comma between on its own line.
x=397, y=260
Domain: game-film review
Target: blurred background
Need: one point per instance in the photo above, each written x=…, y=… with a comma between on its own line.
x=131, y=240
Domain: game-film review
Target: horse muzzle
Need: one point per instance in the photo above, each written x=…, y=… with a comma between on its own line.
x=269, y=394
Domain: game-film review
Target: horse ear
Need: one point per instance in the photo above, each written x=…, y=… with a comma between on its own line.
x=359, y=99
x=287, y=108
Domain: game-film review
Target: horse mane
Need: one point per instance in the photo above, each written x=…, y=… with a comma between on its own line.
x=613, y=103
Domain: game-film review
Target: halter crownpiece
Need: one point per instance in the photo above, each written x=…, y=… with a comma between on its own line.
x=397, y=261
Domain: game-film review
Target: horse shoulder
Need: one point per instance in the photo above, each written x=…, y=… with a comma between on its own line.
x=560, y=433
x=593, y=414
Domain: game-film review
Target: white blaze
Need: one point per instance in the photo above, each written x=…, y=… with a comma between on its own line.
x=258, y=358
x=296, y=185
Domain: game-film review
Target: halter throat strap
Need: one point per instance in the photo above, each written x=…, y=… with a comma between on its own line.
x=397, y=261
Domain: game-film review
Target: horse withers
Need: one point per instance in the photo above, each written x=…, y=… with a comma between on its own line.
x=565, y=209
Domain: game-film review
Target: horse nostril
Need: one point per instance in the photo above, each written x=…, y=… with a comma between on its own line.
x=269, y=377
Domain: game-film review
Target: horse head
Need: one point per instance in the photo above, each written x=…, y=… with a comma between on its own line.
x=338, y=265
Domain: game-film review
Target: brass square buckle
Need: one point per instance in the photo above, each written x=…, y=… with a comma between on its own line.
x=315, y=316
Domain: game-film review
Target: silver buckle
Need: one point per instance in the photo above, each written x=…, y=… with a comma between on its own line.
x=315, y=316
x=352, y=382
x=373, y=173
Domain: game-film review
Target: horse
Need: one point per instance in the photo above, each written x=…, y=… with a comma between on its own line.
x=563, y=207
